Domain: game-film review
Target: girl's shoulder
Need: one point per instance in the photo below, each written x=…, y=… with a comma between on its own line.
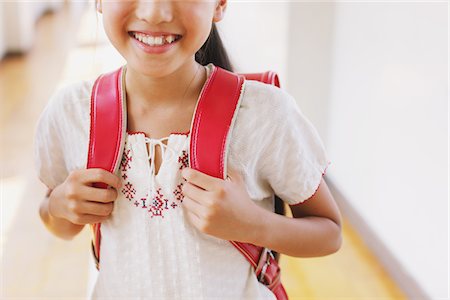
x=266, y=99
x=62, y=131
x=262, y=108
x=68, y=94
x=67, y=111
x=70, y=100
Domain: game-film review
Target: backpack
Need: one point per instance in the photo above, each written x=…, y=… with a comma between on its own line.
x=218, y=103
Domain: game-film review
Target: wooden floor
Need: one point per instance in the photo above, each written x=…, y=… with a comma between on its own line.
x=37, y=265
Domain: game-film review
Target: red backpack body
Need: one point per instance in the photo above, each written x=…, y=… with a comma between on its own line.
x=218, y=103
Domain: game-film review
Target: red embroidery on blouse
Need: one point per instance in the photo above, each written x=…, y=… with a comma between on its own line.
x=158, y=204
x=126, y=159
x=136, y=132
x=181, y=133
x=172, y=133
x=177, y=192
x=183, y=159
x=143, y=201
x=129, y=191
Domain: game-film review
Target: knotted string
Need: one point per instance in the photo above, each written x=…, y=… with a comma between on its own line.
x=152, y=153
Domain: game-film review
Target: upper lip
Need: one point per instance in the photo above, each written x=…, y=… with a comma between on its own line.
x=154, y=33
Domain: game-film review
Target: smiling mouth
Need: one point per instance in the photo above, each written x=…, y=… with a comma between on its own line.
x=155, y=40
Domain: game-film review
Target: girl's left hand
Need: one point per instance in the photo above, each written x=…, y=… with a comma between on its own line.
x=218, y=207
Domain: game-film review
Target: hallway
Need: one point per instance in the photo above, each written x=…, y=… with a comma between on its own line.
x=34, y=263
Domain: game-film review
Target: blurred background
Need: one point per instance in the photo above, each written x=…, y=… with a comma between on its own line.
x=371, y=76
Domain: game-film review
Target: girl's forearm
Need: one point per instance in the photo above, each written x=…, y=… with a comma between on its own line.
x=62, y=228
x=299, y=237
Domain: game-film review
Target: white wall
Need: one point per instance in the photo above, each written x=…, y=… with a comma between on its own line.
x=311, y=29
x=373, y=77
x=255, y=36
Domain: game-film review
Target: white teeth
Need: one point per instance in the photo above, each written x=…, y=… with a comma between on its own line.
x=154, y=40
x=170, y=39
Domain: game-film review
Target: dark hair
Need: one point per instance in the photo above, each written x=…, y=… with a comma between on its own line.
x=214, y=52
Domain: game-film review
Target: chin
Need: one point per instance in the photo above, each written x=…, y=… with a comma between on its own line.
x=152, y=69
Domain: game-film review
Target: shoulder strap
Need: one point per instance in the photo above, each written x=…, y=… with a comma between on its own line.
x=213, y=120
x=268, y=77
x=108, y=123
x=107, y=129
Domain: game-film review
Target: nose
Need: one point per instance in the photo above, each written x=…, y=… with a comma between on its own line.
x=154, y=11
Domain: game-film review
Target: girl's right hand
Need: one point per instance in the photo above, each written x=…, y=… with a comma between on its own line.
x=77, y=201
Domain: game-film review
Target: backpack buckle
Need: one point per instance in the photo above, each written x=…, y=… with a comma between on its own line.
x=264, y=263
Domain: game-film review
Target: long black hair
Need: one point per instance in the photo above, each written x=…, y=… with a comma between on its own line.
x=214, y=52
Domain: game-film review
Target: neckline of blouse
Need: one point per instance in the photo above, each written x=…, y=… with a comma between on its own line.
x=151, y=152
x=131, y=133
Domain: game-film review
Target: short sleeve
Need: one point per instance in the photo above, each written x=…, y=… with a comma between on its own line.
x=293, y=159
x=48, y=145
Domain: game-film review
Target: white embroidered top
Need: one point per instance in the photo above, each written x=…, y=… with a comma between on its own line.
x=149, y=248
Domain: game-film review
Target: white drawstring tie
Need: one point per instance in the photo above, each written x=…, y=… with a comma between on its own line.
x=151, y=156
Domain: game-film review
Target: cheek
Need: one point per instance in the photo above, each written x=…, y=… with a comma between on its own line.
x=198, y=32
x=115, y=15
x=197, y=17
x=202, y=35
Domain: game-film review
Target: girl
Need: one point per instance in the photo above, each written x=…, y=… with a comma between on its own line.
x=166, y=227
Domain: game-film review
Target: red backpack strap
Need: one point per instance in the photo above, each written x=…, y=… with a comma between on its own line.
x=268, y=77
x=212, y=121
x=217, y=108
x=107, y=129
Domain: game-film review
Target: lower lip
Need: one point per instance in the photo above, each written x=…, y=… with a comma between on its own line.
x=154, y=49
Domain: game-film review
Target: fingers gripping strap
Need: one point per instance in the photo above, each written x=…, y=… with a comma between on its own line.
x=106, y=132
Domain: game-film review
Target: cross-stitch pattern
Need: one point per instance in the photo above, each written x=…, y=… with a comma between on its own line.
x=178, y=192
x=183, y=159
x=156, y=204
x=126, y=159
x=129, y=191
x=143, y=201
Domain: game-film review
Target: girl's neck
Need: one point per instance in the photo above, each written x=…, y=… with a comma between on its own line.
x=173, y=90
